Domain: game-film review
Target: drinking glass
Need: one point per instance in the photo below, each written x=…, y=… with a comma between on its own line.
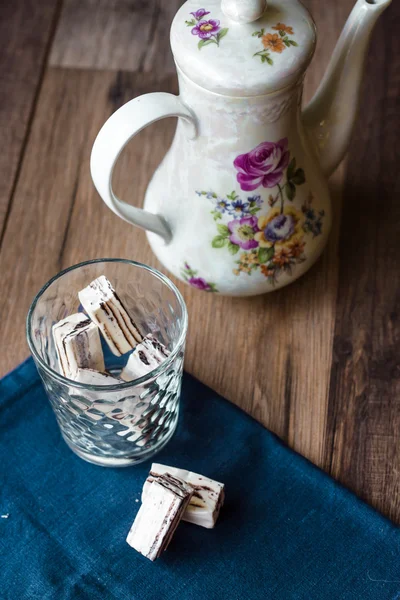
x=129, y=422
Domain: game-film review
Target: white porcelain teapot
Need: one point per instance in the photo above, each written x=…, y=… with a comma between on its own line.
x=240, y=203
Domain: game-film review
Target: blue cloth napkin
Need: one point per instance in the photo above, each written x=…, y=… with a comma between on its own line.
x=287, y=531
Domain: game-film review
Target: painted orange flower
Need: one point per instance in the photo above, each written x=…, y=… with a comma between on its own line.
x=283, y=257
x=242, y=268
x=283, y=27
x=273, y=42
x=296, y=249
x=266, y=271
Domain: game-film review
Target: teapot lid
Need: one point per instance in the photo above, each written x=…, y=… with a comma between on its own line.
x=243, y=47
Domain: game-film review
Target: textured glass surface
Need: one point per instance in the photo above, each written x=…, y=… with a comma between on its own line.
x=128, y=423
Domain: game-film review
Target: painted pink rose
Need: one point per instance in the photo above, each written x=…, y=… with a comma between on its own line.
x=264, y=165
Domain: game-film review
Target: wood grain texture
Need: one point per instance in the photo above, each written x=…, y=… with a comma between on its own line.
x=39, y=217
x=115, y=34
x=364, y=404
x=26, y=28
x=271, y=355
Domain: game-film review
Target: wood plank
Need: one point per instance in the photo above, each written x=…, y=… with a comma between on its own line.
x=310, y=305
x=39, y=217
x=129, y=35
x=26, y=28
x=364, y=407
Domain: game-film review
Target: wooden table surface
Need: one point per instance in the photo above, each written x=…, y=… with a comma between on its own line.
x=316, y=362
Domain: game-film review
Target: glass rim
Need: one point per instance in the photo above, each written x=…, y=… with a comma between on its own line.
x=126, y=384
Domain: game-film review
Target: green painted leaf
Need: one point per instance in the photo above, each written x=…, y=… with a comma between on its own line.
x=265, y=254
x=290, y=190
x=214, y=195
x=219, y=241
x=222, y=33
x=286, y=42
x=203, y=43
x=293, y=43
x=299, y=177
x=282, y=33
x=270, y=61
x=291, y=168
x=233, y=248
x=223, y=230
x=190, y=23
x=254, y=211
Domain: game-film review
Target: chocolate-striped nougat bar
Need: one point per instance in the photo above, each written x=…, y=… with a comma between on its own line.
x=106, y=310
x=159, y=516
x=147, y=356
x=106, y=402
x=207, y=499
x=92, y=377
x=78, y=344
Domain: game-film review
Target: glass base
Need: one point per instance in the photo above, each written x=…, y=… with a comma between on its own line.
x=128, y=461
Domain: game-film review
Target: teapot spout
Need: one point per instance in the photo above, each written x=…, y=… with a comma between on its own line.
x=330, y=115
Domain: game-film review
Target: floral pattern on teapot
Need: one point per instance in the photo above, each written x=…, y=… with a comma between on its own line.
x=208, y=30
x=274, y=42
x=190, y=276
x=272, y=243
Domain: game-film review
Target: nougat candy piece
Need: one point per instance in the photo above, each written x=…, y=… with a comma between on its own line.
x=104, y=307
x=148, y=355
x=159, y=515
x=206, y=501
x=78, y=344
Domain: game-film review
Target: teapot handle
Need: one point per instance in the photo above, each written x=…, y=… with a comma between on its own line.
x=116, y=132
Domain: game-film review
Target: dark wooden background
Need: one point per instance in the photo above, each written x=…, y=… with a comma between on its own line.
x=317, y=362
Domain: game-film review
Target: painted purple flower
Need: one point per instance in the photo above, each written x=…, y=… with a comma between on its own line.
x=205, y=29
x=199, y=283
x=239, y=207
x=280, y=228
x=200, y=13
x=222, y=205
x=264, y=165
x=255, y=201
x=243, y=231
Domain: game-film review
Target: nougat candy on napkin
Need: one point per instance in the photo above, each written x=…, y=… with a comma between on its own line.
x=206, y=501
x=159, y=515
x=78, y=344
x=148, y=355
x=104, y=307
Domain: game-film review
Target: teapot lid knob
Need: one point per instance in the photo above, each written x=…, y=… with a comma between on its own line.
x=243, y=11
